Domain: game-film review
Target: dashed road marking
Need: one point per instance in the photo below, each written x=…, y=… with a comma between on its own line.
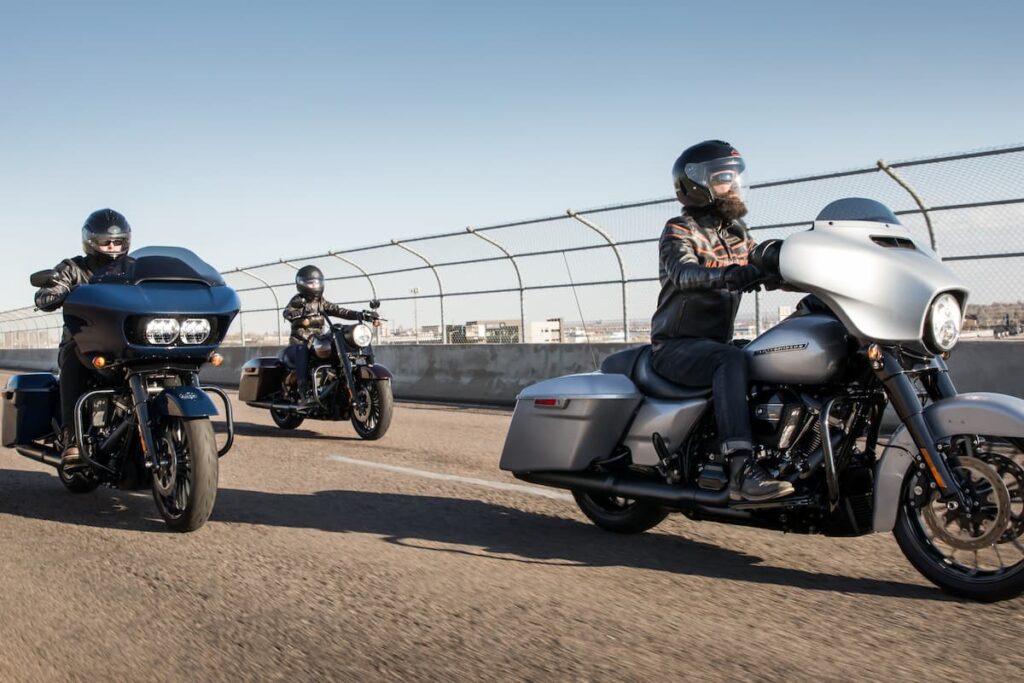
x=472, y=481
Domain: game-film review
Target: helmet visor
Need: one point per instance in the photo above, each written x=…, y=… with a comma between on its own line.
x=721, y=176
x=313, y=284
x=106, y=244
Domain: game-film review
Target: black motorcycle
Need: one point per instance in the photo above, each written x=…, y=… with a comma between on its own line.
x=146, y=325
x=346, y=382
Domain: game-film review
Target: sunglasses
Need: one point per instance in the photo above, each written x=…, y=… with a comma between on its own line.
x=724, y=177
x=111, y=242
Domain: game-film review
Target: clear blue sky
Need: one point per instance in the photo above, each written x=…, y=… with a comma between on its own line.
x=253, y=130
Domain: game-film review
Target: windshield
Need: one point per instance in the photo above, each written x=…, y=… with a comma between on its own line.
x=159, y=263
x=858, y=209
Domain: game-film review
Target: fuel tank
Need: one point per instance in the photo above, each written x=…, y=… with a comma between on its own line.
x=806, y=349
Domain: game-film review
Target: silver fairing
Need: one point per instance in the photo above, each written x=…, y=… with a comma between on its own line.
x=809, y=349
x=876, y=276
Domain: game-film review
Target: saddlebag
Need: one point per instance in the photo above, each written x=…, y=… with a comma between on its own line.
x=260, y=377
x=31, y=401
x=568, y=422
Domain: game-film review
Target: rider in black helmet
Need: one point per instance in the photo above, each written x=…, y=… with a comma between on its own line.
x=306, y=312
x=106, y=237
x=704, y=270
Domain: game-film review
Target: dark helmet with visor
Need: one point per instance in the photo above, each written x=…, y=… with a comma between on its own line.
x=708, y=170
x=106, y=228
x=310, y=282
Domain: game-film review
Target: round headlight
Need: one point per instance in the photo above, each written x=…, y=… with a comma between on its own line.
x=943, y=326
x=162, y=331
x=195, y=330
x=361, y=335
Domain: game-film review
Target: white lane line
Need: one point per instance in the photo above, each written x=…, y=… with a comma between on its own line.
x=499, y=485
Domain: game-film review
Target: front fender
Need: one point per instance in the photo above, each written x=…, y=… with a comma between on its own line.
x=183, y=402
x=979, y=413
x=372, y=372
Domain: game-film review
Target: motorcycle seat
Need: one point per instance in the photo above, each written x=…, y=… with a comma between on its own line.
x=635, y=363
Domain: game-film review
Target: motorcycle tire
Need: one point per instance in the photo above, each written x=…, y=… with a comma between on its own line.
x=195, y=485
x=285, y=419
x=381, y=410
x=912, y=541
x=77, y=482
x=619, y=515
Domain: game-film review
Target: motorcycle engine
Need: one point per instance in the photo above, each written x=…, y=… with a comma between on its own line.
x=785, y=431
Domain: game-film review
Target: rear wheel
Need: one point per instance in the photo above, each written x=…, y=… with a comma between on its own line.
x=372, y=407
x=78, y=481
x=621, y=515
x=185, y=484
x=286, y=419
x=978, y=554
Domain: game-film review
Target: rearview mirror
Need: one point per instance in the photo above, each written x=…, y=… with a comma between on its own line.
x=374, y=304
x=42, y=278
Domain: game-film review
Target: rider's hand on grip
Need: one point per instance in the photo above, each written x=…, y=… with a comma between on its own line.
x=743, y=278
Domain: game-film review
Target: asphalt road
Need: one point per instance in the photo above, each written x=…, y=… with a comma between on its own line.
x=320, y=564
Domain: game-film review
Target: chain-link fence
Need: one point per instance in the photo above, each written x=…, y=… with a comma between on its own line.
x=592, y=274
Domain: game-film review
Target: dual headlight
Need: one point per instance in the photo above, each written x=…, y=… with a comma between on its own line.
x=165, y=331
x=942, y=329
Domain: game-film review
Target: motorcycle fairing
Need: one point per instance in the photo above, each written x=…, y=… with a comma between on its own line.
x=977, y=413
x=877, y=278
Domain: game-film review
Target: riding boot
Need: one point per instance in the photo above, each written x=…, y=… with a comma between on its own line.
x=70, y=458
x=753, y=483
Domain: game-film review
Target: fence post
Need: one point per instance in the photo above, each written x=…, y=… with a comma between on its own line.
x=519, y=277
x=277, y=303
x=373, y=289
x=891, y=172
x=618, y=257
x=437, y=276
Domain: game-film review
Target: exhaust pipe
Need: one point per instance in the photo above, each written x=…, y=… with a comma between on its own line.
x=287, y=407
x=43, y=454
x=628, y=487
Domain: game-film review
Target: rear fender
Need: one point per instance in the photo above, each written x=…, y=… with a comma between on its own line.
x=980, y=413
x=183, y=402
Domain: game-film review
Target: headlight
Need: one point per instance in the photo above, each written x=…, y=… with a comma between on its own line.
x=942, y=330
x=195, y=331
x=162, y=331
x=361, y=335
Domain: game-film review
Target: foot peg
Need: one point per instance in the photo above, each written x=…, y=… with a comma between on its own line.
x=713, y=477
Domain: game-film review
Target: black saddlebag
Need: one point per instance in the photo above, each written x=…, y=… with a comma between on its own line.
x=260, y=377
x=31, y=401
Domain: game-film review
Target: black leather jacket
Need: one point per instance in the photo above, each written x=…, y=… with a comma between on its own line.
x=694, y=252
x=300, y=309
x=67, y=275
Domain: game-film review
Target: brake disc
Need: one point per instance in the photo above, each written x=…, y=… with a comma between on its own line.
x=982, y=526
x=166, y=475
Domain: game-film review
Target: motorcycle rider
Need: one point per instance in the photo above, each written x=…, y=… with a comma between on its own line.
x=704, y=269
x=306, y=312
x=106, y=238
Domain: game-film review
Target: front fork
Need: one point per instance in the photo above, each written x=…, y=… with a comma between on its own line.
x=907, y=403
x=141, y=397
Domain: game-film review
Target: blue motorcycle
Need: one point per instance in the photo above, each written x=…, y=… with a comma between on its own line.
x=146, y=325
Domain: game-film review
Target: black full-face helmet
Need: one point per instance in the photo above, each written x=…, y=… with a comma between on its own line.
x=707, y=167
x=106, y=235
x=310, y=282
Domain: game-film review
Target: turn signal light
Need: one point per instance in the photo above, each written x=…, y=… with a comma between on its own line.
x=875, y=353
x=99, y=362
x=216, y=360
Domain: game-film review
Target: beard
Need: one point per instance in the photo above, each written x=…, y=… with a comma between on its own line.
x=730, y=207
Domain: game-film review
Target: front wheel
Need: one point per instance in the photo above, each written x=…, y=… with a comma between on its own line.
x=978, y=554
x=185, y=484
x=372, y=407
x=620, y=515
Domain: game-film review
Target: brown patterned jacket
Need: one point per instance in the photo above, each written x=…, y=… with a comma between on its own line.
x=694, y=252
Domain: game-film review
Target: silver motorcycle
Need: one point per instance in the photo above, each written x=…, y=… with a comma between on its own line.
x=883, y=315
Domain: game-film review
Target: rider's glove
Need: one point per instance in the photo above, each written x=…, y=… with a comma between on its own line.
x=742, y=278
x=370, y=316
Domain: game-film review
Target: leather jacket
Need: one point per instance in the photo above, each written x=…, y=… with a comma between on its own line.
x=313, y=310
x=67, y=275
x=694, y=252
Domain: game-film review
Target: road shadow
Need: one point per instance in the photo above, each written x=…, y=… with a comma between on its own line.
x=450, y=525
x=273, y=431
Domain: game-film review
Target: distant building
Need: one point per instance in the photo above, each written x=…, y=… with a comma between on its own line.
x=485, y=332
x=546, y=331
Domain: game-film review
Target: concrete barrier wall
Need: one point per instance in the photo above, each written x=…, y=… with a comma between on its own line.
x=495, y=373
